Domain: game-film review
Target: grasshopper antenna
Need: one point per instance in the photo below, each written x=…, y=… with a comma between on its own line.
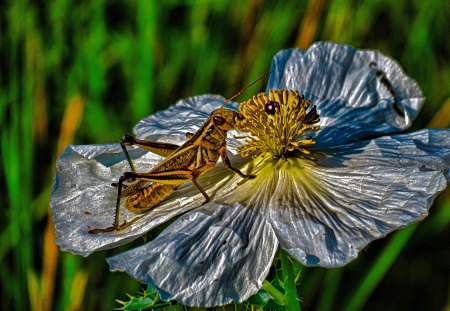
x=246, y=88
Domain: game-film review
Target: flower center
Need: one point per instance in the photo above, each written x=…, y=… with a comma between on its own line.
x=277, y=124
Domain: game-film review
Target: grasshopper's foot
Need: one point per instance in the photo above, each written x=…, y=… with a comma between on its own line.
x=110, y=229
x=116, y=184
x=124, y=225
x=206, y=197
x=101, y=230
x=247, y=176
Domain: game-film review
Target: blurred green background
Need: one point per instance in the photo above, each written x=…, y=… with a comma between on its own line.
x=85, y=72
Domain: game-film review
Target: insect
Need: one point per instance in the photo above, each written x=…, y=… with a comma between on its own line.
x=385, y=81
x=182, y=164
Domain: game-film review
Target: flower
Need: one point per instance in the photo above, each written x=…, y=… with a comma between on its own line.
x=323, y=189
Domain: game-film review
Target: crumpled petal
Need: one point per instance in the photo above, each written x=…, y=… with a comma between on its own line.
x=83, y=198
x=334, y=206
x=352, y=102
x=211, y=256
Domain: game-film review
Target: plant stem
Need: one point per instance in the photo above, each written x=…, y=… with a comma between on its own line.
x=291, y=301
x=379, y=268
x=274, y=292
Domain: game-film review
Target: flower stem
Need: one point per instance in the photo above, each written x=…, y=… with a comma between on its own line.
x=273, y=291
x=291, y=300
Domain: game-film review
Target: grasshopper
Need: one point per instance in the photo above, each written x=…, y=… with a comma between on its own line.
x=182, y=164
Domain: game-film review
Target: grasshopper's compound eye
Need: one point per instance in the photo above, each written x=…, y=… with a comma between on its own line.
x=218, y=120
x=270, y=107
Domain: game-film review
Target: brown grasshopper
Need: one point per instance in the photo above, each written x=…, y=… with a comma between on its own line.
x=182, y=164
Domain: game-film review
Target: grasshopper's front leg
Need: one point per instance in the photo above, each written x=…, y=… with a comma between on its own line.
x=227, y=163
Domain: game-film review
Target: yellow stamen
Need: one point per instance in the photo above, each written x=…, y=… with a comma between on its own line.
x=277, y=124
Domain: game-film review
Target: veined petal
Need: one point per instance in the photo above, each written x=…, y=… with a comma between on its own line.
x=212, y=256
x=325, y=211
x=83, y=198
x=426, y=150
x=357, y=93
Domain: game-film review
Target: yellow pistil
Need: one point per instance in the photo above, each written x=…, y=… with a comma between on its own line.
x=277, y=124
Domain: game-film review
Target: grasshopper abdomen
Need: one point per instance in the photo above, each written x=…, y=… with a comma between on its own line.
x=148, y=197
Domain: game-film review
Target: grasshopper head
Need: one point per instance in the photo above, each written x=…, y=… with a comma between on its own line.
x=225, y=119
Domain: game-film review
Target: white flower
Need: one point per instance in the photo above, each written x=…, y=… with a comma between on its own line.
x=322, y=196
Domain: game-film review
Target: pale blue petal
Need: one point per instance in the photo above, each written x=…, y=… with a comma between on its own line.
x=214, y=255
x=356, y=193
x=342, y=82
x=427, y=149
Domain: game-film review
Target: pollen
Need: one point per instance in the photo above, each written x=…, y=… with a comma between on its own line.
x=277, y=124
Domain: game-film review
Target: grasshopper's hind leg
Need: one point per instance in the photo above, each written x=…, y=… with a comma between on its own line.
x=115, y=225
x=162, y=149
x=138, y=200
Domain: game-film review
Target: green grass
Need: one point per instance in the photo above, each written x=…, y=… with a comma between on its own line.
x=107, y=64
